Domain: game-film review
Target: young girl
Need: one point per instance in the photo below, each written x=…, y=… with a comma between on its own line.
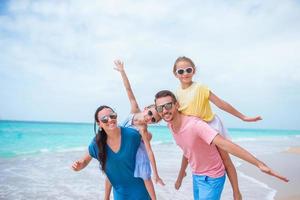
x=194, y=100
x=139, y=119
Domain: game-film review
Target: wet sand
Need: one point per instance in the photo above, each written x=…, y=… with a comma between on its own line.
x=286, y=163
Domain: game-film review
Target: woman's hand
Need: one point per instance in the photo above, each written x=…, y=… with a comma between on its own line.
x=82, y=163
x=78, y=165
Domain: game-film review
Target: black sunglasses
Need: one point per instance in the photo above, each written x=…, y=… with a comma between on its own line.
x=150, y=113
x=112, y=115
x=167, y=106
x=186, y=70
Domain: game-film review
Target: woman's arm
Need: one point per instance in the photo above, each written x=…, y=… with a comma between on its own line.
x=145, y=136
x=107, y=189
x=238, y=151
x=182, y=173
x=230, y=109
x=133, y=103
x=82, y=163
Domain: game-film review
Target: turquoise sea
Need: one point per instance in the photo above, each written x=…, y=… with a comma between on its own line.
x=36, y=159
x=19, y=138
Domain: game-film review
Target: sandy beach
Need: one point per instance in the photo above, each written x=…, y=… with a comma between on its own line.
x=294, y=150
x=51, y=177
x=48, y=174
x=286, y=163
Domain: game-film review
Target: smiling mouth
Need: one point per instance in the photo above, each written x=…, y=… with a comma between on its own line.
x=111, y=124
x=166, y=114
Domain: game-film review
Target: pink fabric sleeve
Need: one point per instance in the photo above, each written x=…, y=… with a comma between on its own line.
x=205, y=131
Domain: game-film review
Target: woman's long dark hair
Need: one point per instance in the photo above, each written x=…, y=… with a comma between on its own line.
x=101, y=138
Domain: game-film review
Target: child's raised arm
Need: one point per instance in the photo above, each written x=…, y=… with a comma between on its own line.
x=238, y=151
x=145, y=136
x=230, y=109
x=133, y=103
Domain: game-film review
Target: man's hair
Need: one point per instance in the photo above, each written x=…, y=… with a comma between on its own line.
x=165, y=93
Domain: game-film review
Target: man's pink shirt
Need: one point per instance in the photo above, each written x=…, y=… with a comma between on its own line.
x=195, y=138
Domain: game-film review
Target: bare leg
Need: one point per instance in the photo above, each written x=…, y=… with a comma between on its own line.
x=231, y=173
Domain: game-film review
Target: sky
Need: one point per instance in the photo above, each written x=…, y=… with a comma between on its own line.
x=56, y=60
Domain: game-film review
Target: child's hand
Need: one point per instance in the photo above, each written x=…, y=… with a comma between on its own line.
x=158, y=180
x=119, y=65
x=251, y=119
x=77, y=165
x=264, y=168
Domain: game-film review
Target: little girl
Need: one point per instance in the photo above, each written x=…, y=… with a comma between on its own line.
x=194, y=99
x=139, y=119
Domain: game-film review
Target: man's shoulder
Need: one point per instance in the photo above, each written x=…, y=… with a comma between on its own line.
x=193, y=122
x=191, y=119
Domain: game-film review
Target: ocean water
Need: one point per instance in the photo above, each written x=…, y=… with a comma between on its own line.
x=36, y=159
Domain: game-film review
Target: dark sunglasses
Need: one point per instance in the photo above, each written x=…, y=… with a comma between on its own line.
x=167, y=106
x=150, y=113
x=186, y=70
x=112, y=115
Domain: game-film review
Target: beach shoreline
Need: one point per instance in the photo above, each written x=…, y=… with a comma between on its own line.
x=286, y=163
x=48, y=166
x=65, y=183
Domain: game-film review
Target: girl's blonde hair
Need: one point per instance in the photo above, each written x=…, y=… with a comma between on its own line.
x=183, y=58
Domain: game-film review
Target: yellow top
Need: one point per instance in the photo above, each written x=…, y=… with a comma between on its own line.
x=194, y=101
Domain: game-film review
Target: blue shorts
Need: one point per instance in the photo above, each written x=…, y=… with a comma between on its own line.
x=207, y=188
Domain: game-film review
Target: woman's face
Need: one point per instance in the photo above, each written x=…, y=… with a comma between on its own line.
x=107, y=119
x=184, y=71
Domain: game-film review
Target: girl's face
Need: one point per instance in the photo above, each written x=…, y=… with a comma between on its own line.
x=107, y=119
x=151, y=116
x=184, y=72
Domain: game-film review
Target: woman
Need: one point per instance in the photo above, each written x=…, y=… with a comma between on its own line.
x=115, y=148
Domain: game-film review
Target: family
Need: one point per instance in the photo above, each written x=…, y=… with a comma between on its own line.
x=125, y=154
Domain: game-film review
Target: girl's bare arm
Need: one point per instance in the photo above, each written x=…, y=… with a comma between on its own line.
x=133, y=103
x=230, y=109
x=145, y=136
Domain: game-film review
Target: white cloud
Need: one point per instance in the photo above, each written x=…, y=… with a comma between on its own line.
x=60, y=53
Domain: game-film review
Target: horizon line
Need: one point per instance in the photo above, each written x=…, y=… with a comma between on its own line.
x=74, y=122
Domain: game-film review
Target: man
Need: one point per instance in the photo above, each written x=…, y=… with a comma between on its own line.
x=199, y=143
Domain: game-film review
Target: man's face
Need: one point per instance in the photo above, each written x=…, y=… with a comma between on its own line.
x=166, y=108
